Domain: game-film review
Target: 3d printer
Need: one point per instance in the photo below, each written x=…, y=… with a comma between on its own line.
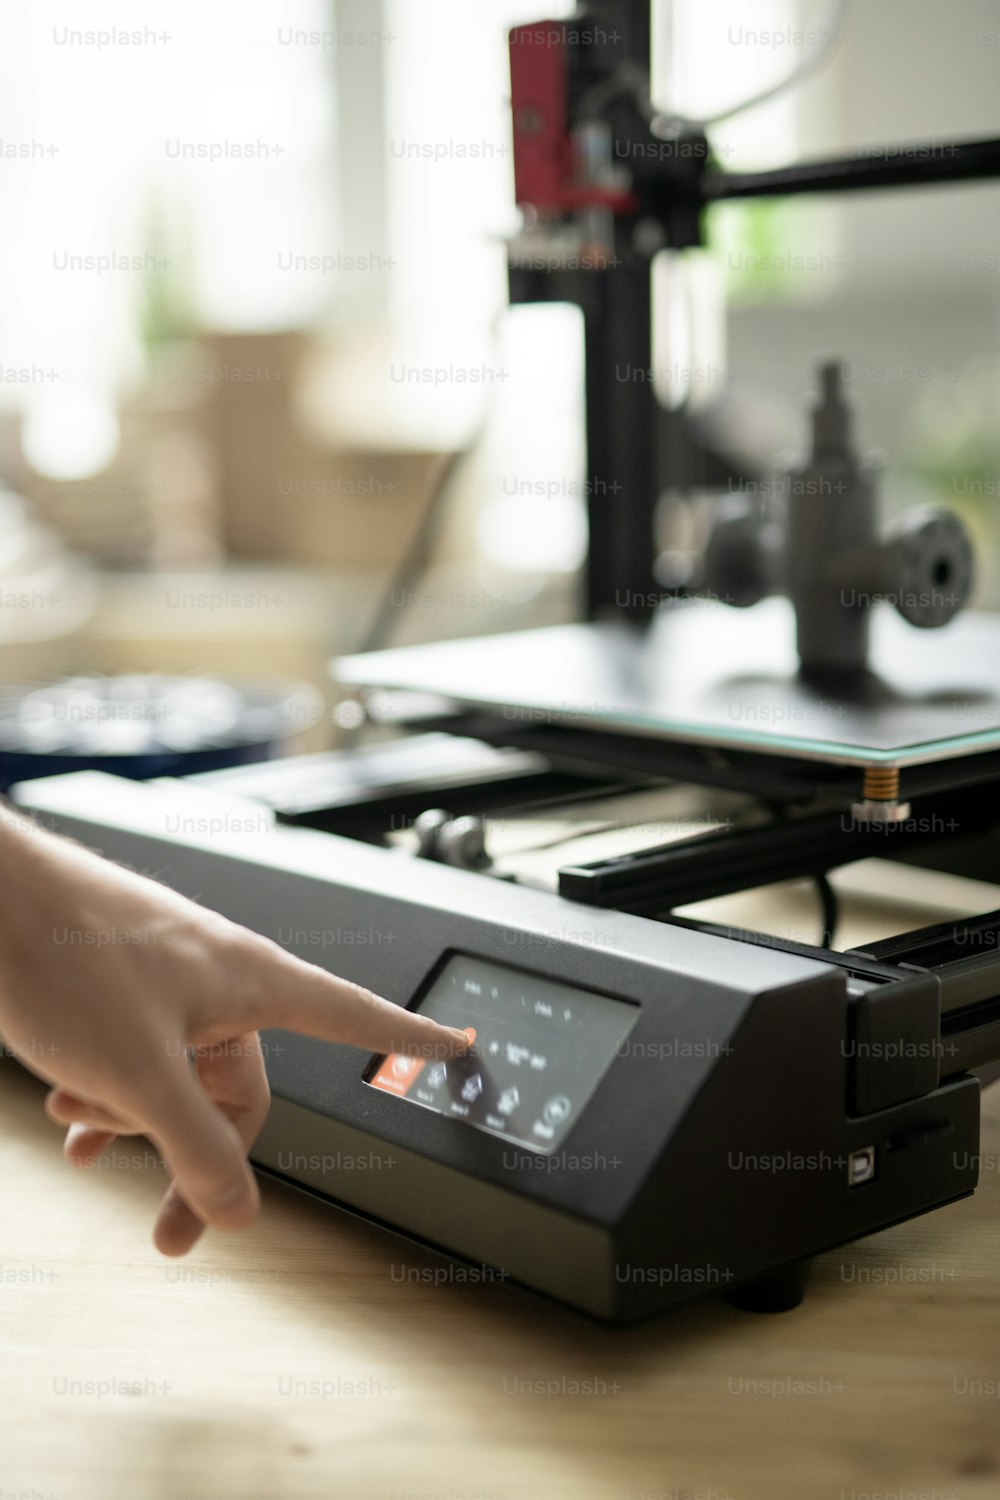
x=660, y=1104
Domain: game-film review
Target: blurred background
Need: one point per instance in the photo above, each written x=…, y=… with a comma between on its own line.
x=262, y=399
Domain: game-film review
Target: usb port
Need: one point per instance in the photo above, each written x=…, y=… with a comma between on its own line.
x=861, y=1166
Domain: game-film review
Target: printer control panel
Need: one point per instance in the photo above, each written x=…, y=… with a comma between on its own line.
x=539, y=1050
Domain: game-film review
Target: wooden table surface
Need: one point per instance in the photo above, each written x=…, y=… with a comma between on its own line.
x=315, y=1355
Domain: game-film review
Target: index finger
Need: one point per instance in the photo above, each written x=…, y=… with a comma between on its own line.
x=310, y=1000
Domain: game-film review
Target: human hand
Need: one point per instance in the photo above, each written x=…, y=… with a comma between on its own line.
x=142, y=1009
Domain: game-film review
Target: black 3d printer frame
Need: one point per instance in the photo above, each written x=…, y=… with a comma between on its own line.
x=631, y=440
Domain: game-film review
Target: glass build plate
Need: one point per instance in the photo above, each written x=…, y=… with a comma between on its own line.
x=540, y=1048
x=706, y=674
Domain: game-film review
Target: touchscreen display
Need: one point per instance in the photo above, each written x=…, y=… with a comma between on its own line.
x=539, y=1050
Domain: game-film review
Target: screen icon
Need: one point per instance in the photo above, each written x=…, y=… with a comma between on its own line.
x=472, y=1088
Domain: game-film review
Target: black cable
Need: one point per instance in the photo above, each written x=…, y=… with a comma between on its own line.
x=830, y=909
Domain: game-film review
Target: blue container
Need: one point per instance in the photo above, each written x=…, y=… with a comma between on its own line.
x=142, y=726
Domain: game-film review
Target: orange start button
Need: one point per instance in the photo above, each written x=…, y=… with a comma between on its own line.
x=397, y=1073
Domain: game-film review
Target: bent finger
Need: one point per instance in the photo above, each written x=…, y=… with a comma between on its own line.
x=234, y=1077
x=68, y=1109
x=84, y=1146
x=202, y=1150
